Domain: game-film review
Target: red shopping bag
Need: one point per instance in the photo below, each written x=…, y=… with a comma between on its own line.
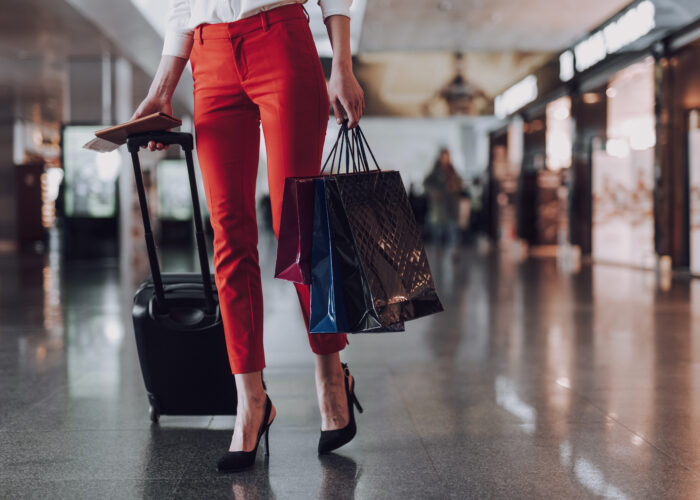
x=295, y=234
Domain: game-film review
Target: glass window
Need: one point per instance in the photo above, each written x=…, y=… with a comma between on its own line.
x=90, y=177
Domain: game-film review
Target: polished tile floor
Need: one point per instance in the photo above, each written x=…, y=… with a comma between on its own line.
x=536, y=382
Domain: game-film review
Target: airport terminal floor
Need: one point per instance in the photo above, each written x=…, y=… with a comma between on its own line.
x=536, y=382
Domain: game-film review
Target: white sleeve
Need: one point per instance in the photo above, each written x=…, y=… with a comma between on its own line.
x=335, y=7
x=178, y=38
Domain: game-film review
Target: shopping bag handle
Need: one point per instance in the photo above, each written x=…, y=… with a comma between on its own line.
x=361, y=155
x=349, y=153
x=332, y=152
x=362, y=143
x=342, y=142
x=356, y=146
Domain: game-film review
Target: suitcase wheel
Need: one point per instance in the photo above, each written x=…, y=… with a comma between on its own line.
x=154, y=411
x=154, y=414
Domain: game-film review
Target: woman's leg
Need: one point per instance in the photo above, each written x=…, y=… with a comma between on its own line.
x=285, y=79
x=227, y=147
x=249, y=412
x=330, y=390
x=227, y=123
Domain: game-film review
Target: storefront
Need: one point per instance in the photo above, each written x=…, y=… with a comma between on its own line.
x=506, y=154
x=543, y=202
x=609, y=79
x=540, y=156
x=532, y=164
x=503, y=183
x=679, y=151
x=592, y=173
x=623, y=171
x=694, y=188
x=589, y=117
x=554, y=188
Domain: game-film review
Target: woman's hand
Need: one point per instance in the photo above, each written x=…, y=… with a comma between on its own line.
x=346, y=94
x=160, y=94
x=153, y=104
x=344, y=91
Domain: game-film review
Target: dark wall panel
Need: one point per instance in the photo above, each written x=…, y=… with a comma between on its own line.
x=678, y=80
x=589, y=111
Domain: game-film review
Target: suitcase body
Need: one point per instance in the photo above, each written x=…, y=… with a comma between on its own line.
x=178, y=328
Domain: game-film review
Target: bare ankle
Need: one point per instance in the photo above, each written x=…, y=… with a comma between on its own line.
x=254, y=400
x=250, y=390
x=328, y=368
x=331, y=379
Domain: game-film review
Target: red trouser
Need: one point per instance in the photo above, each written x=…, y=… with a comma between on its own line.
x=260, y=69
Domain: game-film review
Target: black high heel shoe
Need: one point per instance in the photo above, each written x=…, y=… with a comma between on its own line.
x=234, y=461
x=332, y=440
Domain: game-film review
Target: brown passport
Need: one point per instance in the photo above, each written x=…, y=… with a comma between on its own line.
x=151, y=123
x=109, y=139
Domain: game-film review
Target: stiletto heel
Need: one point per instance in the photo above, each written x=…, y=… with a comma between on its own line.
x=234, y=461
x=332, y=440
x=357, y=402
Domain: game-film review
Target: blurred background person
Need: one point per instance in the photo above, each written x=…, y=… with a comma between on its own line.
x=443, y=188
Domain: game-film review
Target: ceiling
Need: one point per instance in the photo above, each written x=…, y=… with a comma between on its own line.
x=481, y=25
x=44, y=27
x=38, y=37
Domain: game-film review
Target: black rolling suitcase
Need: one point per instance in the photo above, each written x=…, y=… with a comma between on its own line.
x=179, y=333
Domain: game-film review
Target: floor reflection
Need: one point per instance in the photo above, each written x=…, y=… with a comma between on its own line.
x=339, y=478
x=252, y=487
x=538, y=381
x=590, y=476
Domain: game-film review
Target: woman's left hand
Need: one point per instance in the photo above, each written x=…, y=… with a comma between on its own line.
x=346, y=95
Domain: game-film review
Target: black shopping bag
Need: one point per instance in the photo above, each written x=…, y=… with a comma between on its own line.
x=359, y=310
x=341, y=300
x=387, y=239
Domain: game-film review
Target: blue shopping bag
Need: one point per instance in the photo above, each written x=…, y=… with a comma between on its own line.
x=328, y=314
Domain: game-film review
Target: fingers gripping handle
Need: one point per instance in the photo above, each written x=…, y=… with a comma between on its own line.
x=135, y=141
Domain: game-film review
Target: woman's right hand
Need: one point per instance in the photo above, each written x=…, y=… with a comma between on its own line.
x=153, y=104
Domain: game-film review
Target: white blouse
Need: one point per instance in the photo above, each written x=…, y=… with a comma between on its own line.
x=185, y=15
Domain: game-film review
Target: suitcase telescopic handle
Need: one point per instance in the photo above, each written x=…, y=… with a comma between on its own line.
x=134, y=143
